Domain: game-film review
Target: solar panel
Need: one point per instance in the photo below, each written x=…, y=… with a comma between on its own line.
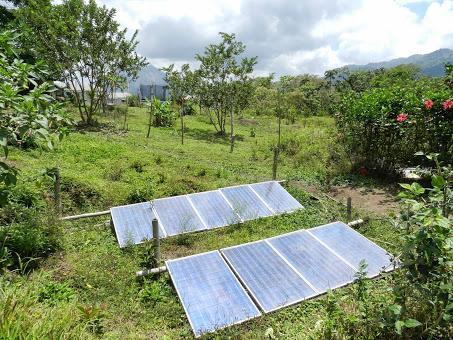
x=318, y=265
x=211, y=295
x=271, y=281
x=177, y=215
x=276, y=197
x=201, y=211
x=132, y=223
x=246, y=203
x=352, y=246
x=214, y=209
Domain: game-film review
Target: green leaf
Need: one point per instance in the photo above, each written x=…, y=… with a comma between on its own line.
x=395, y=309
x=437, y=181
x=405, y=186
x=412, y=323
x=399, y=326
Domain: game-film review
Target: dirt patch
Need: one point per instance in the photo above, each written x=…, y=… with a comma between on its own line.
x=380, y=201
x=377, y=200
x=248, y=122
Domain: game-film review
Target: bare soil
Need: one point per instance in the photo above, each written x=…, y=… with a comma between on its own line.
x=379, y=200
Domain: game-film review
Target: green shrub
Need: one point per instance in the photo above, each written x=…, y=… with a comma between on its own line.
x=29, y=235
x=77, y=195
x=383, y=128
x=133, y=101
x=140, y=195
x=423, y=295
x=162, y=113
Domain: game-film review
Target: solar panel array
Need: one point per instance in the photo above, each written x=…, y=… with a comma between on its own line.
x=201, y=211
x=275, y=272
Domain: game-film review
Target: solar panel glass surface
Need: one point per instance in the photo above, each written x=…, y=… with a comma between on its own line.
x=177, y=215
x=276, y=197
x=272, y=282
x=132, y=223
x=246, y=203
x=352, y=246
x=318, y=265
x=210, y=293
x=214, y=209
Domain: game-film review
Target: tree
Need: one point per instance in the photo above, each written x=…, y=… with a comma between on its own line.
x=224, y=78
x=28, y=114
x=182, y=85
x=84, y=45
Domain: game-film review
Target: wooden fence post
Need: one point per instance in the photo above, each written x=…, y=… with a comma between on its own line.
x=57, y=192
x=156, y=239
x=274, y=165
x=349, y=209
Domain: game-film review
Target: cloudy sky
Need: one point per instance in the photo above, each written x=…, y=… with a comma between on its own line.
x=290, y=36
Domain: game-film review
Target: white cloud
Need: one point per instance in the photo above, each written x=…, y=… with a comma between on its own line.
x=290, y=36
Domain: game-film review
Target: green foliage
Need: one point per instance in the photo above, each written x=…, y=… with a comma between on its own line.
x=92, y=317
x=28, y=114
x=155, y=291
x=133, y=101
x=383, y=128
x=161, y=113
x=224, y=85
x=424, y=291
x=84, y=46
x=26, y=235
x=55, y=292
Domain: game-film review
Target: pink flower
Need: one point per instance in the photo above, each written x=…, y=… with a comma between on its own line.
x=401, y=117
x=448, y=104
x=428, y=104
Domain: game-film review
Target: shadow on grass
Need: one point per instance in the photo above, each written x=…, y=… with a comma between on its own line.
x=206, y=135
x=101, y=127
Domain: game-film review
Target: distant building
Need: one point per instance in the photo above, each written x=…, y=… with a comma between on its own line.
x=161, y=92
x=118, y=97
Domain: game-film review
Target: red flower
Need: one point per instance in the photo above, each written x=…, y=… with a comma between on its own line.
x=448, y=104
x=428, y=104
x=363, y=171
x=401, y=117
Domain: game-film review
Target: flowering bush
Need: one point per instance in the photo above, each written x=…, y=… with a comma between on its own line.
x=383, y=128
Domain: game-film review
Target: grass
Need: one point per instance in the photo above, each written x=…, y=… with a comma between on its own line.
x=106, y=167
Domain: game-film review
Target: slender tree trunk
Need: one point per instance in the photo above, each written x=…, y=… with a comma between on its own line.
x=150, y=122
x=182, y=124
x=232, y=131
x=277, y=149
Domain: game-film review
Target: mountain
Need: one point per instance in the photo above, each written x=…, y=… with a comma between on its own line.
x=431, y=64
x=149, y=75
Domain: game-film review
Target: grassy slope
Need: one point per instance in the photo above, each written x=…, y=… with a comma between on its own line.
x=103, y=275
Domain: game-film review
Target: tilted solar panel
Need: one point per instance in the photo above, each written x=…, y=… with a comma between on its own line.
x=214, y=209
x=246, y=203
x=177, y=215
x=201, y=211
x=132, y=223
x=271, y=281
x=276, y=197
x=352, y=247
x=317, y=264
x=211, y=295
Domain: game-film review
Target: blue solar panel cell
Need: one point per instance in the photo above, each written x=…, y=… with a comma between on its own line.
x=318, y=265
x=177, y=215
x=214, y=209
x=210, y=293
x=272, y=282
x=276, y=197
x=352, y=246
x=132, y=223
x=246, y=203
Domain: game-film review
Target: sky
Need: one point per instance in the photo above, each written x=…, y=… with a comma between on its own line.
x=289, y=36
